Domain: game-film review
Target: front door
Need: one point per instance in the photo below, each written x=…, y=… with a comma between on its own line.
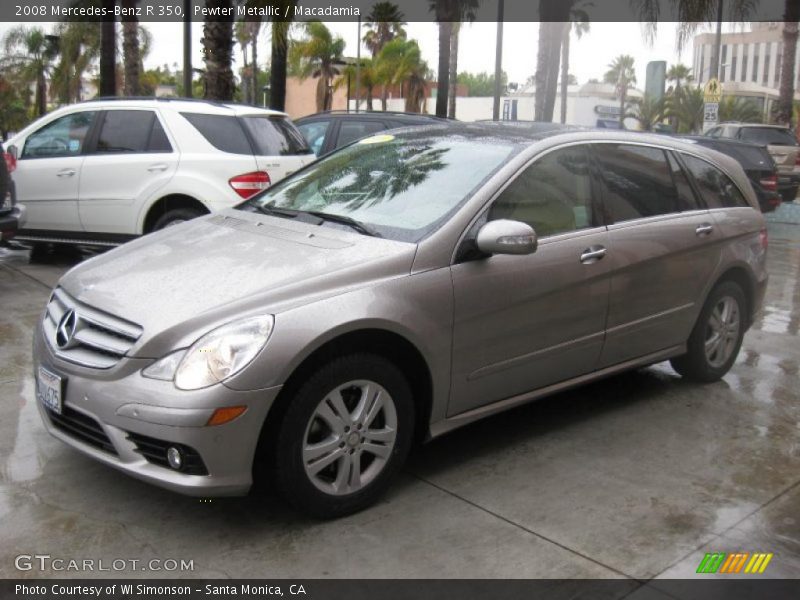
x=525, y=322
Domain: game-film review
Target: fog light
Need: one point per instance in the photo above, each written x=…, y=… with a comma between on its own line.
x=174, y=458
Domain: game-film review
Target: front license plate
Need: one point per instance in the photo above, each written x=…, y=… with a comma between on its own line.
x=49, y=388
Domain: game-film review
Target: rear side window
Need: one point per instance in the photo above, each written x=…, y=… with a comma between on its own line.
x=686, y=198
x=553, y=195
x=350, y=131
x=638, y=182
x=275, y=136
x=717, y=189
x=131, y=131
x=224, y=132
x=768, y=135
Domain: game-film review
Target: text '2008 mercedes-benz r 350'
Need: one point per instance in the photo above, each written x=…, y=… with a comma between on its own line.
x=401, y=287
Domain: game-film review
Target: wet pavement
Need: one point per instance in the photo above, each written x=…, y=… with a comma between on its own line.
x=636, y=476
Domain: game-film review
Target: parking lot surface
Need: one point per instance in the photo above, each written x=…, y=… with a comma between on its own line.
x=636, y=476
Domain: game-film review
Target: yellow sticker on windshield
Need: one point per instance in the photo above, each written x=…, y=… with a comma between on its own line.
x=377, y=139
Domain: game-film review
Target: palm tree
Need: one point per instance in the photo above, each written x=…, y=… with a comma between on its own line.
x=648, y=111
x=279, y=48
x=318, y=55
x=31, y=52
x=679, y=74
x=447, y=12
x=384, y=23
x=621, y=73
x=369, y=78
x=784, y=111
x=108, y=51
x=79, y=45
x=686, y=105
x=400, y=63
x=130, y=49
x=218, y=50
x=580, y=25
x=242, y=36
x=739, y=109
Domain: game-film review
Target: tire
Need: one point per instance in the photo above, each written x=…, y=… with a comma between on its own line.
x=704, y=366
x=314, y=456
x=176, y=217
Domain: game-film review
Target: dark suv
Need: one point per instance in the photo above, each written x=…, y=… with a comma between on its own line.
x=327, y=131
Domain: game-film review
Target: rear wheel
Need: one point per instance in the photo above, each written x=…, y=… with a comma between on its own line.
x=175, y=217
x=717, y=335
x=345, y=434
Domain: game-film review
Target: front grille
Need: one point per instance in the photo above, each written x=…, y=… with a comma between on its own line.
x=81, y=427
x=155, y=451
x=87, y=336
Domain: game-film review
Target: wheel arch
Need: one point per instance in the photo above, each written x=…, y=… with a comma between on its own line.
x=168, y=203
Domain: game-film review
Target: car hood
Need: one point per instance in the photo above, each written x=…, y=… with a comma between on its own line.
x=187, y=279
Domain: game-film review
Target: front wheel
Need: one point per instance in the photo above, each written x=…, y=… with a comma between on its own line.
x=716, y=337
x=346, y=433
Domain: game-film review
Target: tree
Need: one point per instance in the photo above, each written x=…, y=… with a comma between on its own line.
x=108, y=51
x=447, y=12
x=679, y=74
x=687, y=106
x=31, y=53
x=318, y=55
x=400, y=63
x=369, y=79
x=580, y=26
x=648, y=111
x=279, y=49
x=79, y=47
x=739, y=109
x=218, y=50
x=481, y=84
x=130, y=49
x=384, y=23
x=622, y=75
x=791, y=16
x=12, y=108
x=453, y=70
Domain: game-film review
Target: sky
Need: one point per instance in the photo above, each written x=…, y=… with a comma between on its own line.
x=589, y=56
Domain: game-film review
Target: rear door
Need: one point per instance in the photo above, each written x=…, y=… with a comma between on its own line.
x=525, y=322
x=49, y=171
x=279, y=147
x=128, y=161
x=661, y=250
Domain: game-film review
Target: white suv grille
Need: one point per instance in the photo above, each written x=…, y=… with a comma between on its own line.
x=84, y=335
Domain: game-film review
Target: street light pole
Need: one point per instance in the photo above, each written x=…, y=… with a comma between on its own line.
x=498, y=61
x=358, y=68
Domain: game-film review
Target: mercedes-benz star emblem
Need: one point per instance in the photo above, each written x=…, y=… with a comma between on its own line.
x=66, y=329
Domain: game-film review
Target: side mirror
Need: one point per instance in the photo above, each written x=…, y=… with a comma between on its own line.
x=507, y=237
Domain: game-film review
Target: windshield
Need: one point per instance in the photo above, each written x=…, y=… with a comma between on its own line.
x=401, y=187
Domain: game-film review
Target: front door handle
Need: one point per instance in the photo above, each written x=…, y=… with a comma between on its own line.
x=66, y=173
x=157, y=167
x=704, y=229
x=592, y=254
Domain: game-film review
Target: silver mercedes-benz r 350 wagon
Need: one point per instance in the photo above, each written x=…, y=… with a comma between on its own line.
x=396, y=289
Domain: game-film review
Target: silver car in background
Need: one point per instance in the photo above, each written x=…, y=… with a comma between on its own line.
x=401, y=287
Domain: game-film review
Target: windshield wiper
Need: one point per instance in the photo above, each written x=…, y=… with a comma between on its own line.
x=349, y=221
x=274, y=211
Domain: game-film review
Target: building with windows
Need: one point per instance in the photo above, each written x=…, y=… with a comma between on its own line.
x=750, y=63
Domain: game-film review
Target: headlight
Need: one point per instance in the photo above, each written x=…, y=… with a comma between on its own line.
x=216, y=356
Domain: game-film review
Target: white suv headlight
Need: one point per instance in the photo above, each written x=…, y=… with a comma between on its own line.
x=217, y=355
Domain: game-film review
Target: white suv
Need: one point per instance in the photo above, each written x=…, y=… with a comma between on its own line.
x=104, y=171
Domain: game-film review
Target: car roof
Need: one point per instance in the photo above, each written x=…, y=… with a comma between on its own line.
x=759, y=125
x=181, y=105
x=373, y=114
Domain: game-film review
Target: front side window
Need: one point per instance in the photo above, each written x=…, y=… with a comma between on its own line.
x=717, y=189
x=638, y=182
x=314, y=132
x=63, y=137
x=402, y=187
x=553, y=195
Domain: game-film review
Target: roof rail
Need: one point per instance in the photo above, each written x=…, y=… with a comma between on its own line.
x=400, y=113
x=153, y=98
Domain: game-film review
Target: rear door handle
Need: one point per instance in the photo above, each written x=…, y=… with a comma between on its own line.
x=592, y=254
x=704, y=229
x=66, y=173
x=157, y=167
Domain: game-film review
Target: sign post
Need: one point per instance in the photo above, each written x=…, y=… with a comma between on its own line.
x=712, y=94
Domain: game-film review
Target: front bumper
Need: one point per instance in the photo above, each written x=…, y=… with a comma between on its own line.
x=121, y=402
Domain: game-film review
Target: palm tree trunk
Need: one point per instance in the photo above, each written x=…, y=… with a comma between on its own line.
x=453, y=70
x=218, y=45
x=254, y=48
x=623, y=92
x=785, y=110
x=108, y=53
x=277, y=74
x=130, y=49
x=547, y=62
x=565, y=70
x=369, y=97
x=443, y=83
x=384, y=96
x=41, y=93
